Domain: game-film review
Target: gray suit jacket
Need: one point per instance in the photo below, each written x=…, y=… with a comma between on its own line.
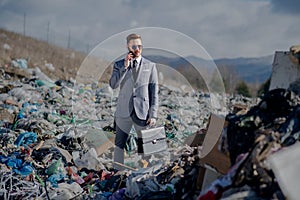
x=140, y=94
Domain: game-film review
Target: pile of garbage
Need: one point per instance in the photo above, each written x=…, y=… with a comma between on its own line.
x=57, y=141
x=251, y=139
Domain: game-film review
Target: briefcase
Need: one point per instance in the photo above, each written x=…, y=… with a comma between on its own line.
x=153, y=140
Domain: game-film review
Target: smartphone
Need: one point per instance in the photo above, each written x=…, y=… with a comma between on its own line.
x=133, y=54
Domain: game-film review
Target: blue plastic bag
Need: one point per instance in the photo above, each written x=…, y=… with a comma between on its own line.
x=26, y=138
x=53, y=179
x=24, y=170
x=14, y=163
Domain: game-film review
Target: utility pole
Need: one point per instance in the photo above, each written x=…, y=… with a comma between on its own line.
x=48, y=29
x=53, y=37
x=69, y=39
x=24, y=24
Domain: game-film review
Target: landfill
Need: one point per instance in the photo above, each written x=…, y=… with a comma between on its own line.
x=57, y=142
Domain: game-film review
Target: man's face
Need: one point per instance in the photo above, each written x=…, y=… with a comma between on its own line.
x=135, y=46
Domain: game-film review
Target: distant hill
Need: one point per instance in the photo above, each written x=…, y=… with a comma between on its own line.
x=251, y=70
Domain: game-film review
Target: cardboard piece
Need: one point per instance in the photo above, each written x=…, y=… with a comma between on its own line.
x=196, y=139
x=7, y=116
x=213, y=157
x=214, y=130
x=218, y=160
x=285, y=165
x=284, y=71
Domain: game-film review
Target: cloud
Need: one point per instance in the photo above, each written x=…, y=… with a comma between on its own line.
x=287, y=7
x=230, y=28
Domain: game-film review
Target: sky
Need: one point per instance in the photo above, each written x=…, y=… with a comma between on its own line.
x=225, y=28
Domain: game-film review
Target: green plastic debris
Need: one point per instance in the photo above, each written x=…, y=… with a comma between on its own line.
x=40, y=180
x=46, y=83
x=54, y=167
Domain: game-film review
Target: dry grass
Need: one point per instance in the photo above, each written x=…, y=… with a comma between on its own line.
x=65, y=61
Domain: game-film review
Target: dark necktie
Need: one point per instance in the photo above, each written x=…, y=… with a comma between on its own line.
x=135, y=63
x=134, y=69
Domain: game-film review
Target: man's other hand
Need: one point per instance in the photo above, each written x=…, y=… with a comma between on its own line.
x=151, y=121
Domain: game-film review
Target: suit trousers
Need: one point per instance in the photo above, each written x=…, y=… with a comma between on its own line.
x=123, y=127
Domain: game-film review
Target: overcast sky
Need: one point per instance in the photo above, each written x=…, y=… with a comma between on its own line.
x=225, y=28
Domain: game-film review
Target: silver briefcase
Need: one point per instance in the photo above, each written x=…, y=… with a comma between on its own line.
x=153, y=140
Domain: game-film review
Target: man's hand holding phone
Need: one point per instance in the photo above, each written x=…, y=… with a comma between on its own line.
x=128, y=58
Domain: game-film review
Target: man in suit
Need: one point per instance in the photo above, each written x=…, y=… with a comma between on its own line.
x=138, y=98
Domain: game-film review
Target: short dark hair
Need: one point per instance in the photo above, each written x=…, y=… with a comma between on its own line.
x=133, y=36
